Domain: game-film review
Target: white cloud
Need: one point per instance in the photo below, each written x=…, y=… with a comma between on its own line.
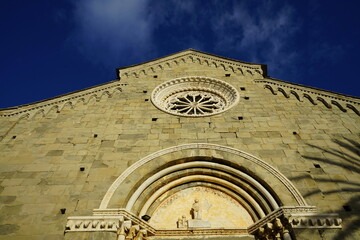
x=262, y=33
x=110, y=30
x=119, y=32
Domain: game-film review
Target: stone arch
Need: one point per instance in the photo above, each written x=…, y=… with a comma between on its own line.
x=80, y=102
x=198, y=61
x=67, y=106
x=116, y=91
x=223, y=66
x=324, y=102
x=53, y=112
x=232, y=69
x=353, y=108
x=258, y=72
x=267, y=86
x=310, y=98
x=249, y=72
x=135, y=74
x=230, y=165
x=152, y=69
x=39, y=114
x=215, y=175
x=240, y=71
x=93, y=98
x=338, y=105
x=105, y=95
x=283, y=92
x=296, y=95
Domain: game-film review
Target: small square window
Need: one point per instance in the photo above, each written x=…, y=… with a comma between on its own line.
x=155, y=76
x=240, y=118
x=246, y=98
x=347, y=208
x=154, y=119
x=317, y=165
x=242, y=89
x=227, y=75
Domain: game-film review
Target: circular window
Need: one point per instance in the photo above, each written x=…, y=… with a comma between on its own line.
x=194, y=96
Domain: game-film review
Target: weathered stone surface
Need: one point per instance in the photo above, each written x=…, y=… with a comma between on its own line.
x=41, y=154
x=6, y=229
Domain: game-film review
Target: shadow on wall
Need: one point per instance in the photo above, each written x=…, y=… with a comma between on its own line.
x=350, y=161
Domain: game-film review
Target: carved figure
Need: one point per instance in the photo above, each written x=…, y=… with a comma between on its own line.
x=196, y=210
x=141, y=235
x=182, y=222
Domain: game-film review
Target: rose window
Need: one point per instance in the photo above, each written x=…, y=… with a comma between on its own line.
x=195, y=103
x=194, y=96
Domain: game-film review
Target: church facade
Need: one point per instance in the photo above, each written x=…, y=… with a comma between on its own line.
x=187, y=146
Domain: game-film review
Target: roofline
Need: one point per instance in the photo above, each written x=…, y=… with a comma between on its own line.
x=306, y=86
x=59, y=96
x=263, y=66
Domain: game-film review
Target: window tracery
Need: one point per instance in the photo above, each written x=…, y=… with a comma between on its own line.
x=194, y=96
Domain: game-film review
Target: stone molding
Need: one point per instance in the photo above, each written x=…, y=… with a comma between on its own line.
x=200, y=232
x=127, y=216
x=277, y=224
x=286, y=182
x=211, y=165
x=315, y=96
x=281, y=212
x=94, y=224
x=226, y=94
x=43, y=107
x=192, y=57
x=329, y=220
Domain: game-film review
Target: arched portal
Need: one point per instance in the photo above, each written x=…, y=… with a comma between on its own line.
x=164, y=185
x=202, y=189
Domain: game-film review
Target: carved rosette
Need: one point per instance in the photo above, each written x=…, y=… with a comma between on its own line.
x=194, y=96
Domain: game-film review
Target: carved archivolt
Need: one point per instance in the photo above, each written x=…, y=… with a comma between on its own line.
x=129, y=223
x=247, y=157
x=194, y=96
x=316, y=96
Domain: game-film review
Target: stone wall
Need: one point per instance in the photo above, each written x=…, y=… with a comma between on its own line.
x=61, y=163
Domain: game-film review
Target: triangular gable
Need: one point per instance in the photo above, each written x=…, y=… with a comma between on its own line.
x=258, y=72
x=192, y=56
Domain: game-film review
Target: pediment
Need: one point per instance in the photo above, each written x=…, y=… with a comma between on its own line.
x=192, y=57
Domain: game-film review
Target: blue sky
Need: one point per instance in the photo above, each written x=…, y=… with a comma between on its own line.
x=48, y=48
